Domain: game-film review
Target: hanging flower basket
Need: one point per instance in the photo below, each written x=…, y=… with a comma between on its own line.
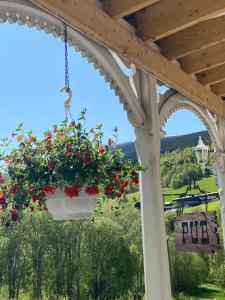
x=67, y=167
x=63, y=207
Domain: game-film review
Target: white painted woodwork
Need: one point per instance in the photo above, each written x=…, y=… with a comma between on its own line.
x=157, y=276
x=221, y=185
x=89, y=19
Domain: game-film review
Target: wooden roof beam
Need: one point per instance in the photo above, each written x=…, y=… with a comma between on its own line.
x=197, y=37
x=169, y=16
x=212, y=76
x=118, y=9
x=219, y=88
x=204, y=59
x=87, y=18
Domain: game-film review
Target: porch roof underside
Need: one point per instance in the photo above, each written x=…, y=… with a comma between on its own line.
x=180, y=42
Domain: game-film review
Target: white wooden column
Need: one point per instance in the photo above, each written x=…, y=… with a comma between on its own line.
x=220, y=169
x=157, y=277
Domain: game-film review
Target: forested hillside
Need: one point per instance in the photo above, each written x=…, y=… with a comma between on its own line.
x=180, y=166
x=170, y=143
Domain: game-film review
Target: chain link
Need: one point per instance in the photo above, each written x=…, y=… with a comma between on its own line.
x=67, y=78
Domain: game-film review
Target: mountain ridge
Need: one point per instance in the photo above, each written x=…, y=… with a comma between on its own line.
x=169, y=143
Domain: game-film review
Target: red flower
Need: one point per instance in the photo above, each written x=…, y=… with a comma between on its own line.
x=124, y=183
x=51, y=165
x=72, y=124
x=76, y=154
x=55, y=129
x=19, y=138
x=1, y=179
x=122, y=190
x=32, y=139
x=2, y=201
x=68, y=154
x=92, y=190
x=14, y=189
x=135, y=181
x=78, y=186
x=35, y=198
x=48, y=190
x=48, y=135
x=101, y=149
x=109, y=188
x=116, y=177
x=110, y=142
x=71, y=191
x=87, y=160
x=92, y=130
x=14, y=215
x=25, y=157
x=4, y=206
x=134, y=174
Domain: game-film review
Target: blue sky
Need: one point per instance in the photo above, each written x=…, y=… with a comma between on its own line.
x=31, y=73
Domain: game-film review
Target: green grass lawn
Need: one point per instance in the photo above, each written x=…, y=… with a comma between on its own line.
x=208, y=184
x=206, y=292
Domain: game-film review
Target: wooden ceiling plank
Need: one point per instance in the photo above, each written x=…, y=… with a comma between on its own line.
x=194, y=38
x=204, y=59
x=87, y=18
x=212, y=76
x=169, y=16
x=118, y=9
x=219, y=88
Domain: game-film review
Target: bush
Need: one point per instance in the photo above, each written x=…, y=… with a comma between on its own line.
x=188, y=270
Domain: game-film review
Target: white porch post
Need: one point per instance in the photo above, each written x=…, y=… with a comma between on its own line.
x=220, y=169
x=157, y=277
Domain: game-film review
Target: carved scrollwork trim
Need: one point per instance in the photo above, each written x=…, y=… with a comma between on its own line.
x=172, y=101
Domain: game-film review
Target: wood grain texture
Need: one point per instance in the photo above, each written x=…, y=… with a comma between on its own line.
x=194, y=38
x=212, y=76
x=218, y=88
x=197, y=232
x=118, y=9
x=90, y=20
x=169, y=16
x=204, y=59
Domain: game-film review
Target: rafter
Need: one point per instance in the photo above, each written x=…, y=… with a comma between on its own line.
x=204, y=59
x=213, y=75
x=87, y=18
x=163, y=19
x=219, y=88
x=124, y=7
x=197, y=37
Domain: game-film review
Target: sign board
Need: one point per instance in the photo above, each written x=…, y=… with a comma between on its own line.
x=197, y=232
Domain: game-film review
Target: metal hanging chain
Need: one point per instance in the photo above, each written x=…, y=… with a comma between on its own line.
x=67, y=78
x=66, y=87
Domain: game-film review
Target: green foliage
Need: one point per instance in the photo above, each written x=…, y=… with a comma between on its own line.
x=99, y=258
x=188, y=270
x=67, y=157
x=179, y=167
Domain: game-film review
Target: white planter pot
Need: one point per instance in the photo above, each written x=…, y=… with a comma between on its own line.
x=63, y=207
